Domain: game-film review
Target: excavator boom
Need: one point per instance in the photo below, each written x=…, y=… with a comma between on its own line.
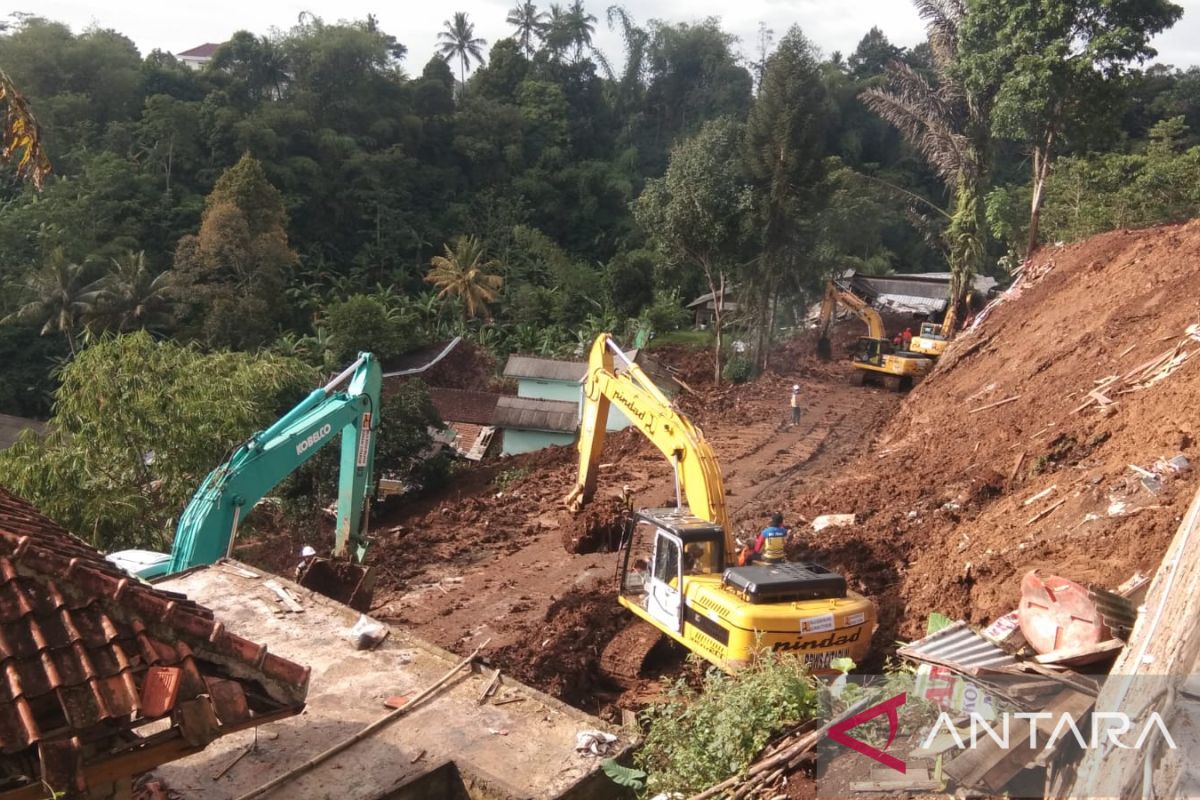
x=698, y=477
x=678, y=570
x=208, y=525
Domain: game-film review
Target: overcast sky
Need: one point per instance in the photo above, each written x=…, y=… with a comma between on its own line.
x=832, y=24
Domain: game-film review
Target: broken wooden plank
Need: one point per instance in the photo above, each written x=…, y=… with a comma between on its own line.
x=996, y=404
x=1012, y=476
x=285, y=596
x=1100, y=397
x=1145, y=473
x=1066, y=655
x=1040, y=495
x=1044, y=512
x=490, y=688
x=1127, y=350
x=897, y=785
x=225, y=566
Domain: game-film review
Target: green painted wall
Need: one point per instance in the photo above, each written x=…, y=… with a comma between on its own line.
x=570, y=392
x=524, y=441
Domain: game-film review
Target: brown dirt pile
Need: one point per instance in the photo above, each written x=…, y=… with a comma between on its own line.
x=948, y=514
x=595, y=529
x=562, y=656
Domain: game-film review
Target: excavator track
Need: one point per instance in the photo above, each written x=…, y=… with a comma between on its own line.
x=625, y=654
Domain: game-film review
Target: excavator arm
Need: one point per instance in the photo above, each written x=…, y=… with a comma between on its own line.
x=698, y=477
x=861, y=309
x=208, y=525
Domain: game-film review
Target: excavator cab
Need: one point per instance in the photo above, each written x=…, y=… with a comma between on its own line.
x=661, y=547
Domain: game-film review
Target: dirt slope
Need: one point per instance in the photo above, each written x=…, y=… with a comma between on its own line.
x=943, y=528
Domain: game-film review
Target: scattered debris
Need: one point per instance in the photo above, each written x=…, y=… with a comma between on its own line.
x=417, y=757
x=287, y=598
x=594, y=743
x=245, y=751
x=832, y=521
x=367, y=634
x=996, y=404
x=1040, y=495
x=1045, y=512
x=490, y=688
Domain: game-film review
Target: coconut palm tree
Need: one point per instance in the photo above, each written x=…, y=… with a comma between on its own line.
x=581, y=25
x=529, y=22
x=458, y=41
x=464, y=273
x=949, y=127
x=133, y=296
x=62, y=295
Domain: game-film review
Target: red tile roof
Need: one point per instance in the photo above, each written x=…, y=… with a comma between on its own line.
x=460, y=405
x=88, y=654
x=203, y=51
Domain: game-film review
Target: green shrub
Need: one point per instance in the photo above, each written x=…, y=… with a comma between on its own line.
x=697, y=739
x=738, y=369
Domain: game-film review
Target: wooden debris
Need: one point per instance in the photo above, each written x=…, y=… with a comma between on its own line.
x=509, y=700
x=1040, y=495
x=904, y=784
x=996, y=404
x=1068, y=655
x=490, y=689
x=286, y=597
x=225, y=566
x=1044, y=512
x=1145, y=473
x=417, y=757
x=1012, y=476
x=1127, y=350
x=233, y=763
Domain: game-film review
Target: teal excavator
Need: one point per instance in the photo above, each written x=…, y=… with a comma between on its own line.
x=206, y=530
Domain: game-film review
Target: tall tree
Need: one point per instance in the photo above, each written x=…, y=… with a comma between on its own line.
x=233, y=272
x=1055, y=68
x=458, y=41
x=133, y=296
x=583, y=25
x=529, y=24
x=949, y=125
x=62, y=296
x=464, y=272
x=696, y=212
x=785, y=137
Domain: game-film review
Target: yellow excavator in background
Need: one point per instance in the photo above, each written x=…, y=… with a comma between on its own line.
x=874, y=357
x=931, y=342
x=678, y=566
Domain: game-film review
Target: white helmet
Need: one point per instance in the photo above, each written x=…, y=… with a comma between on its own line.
x=796, y=388
x=308, y=551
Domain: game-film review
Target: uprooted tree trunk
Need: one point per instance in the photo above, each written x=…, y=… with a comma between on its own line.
x=1041, y=171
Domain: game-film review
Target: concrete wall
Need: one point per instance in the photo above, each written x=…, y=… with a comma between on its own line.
x=523, y=441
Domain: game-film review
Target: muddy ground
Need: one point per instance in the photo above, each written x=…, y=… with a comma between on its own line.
x=940, y=480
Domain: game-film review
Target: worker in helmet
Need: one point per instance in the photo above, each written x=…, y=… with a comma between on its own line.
x=796, y=404
x=771, y=543
x=307, y=554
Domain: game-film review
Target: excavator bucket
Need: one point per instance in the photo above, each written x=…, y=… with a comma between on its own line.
x=343, y=581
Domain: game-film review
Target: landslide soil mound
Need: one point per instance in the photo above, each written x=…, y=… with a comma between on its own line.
x=999, y=462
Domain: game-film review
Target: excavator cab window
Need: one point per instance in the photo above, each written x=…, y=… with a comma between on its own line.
x=702, y=558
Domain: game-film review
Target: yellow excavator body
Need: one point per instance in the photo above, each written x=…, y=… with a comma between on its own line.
x=930, y=342
x=874, y=357
x=679, y=569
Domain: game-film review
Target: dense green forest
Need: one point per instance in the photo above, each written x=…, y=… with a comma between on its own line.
x=311, y=193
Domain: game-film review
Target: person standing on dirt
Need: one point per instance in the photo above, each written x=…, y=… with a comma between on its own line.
x=771, y=542
x=796, y=404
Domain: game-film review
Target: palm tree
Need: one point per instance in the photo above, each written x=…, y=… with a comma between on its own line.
x=458, y=41
x=949, y=127
x=581, y=25
x=62, y=295
x=557, y=33
x=132, y=296
x=529, y=22
x=464, y=273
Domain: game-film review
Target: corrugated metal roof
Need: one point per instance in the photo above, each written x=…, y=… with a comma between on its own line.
x=960, y=647
x=88, y=653
x=525, y=413
x=12, y=427
x=544, y=369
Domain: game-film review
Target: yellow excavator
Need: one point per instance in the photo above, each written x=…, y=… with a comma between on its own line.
x=678, y=566
x=874, y=357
